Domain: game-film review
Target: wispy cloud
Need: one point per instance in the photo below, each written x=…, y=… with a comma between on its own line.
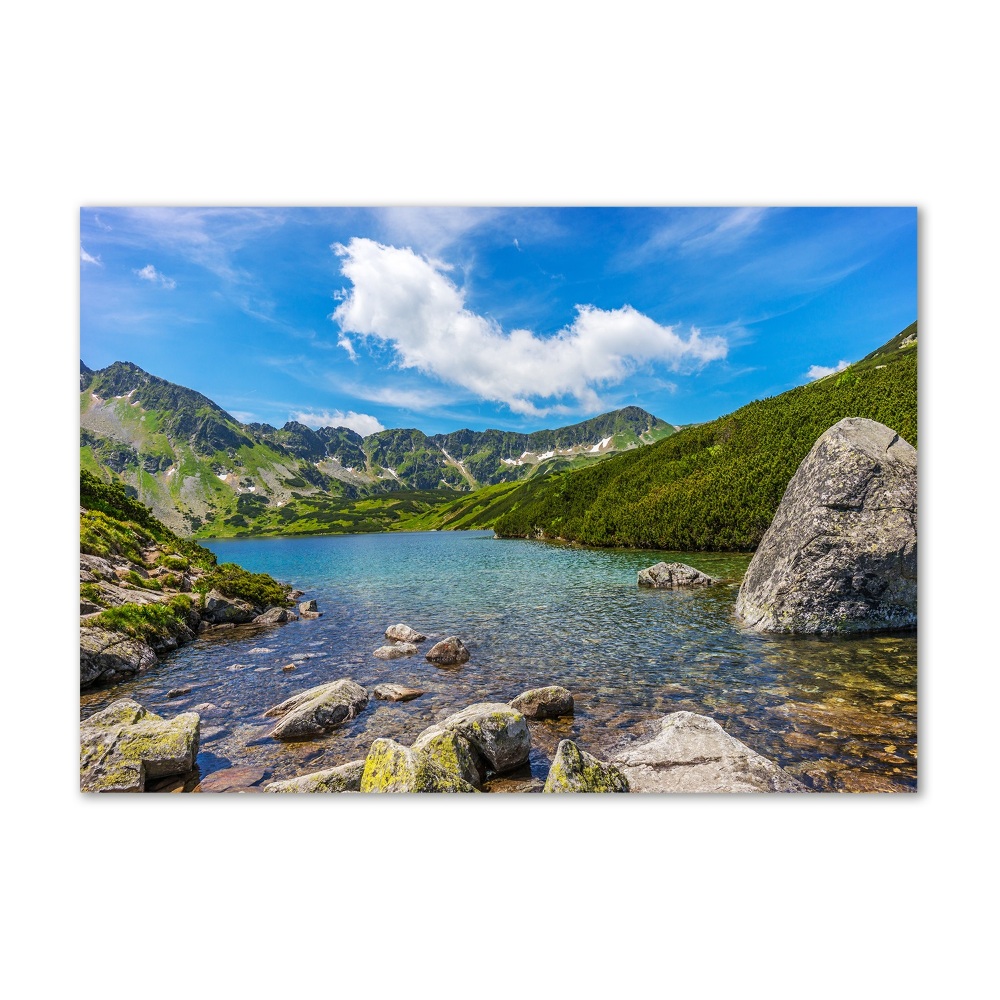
x=432, y=231
x=345, y=343
x=710, y=230
x=404, y=301
x=88, y=259
x=363, y=423
x=149, y=273
x=821, y=371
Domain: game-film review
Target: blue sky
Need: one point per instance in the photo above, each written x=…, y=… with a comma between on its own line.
x=518, y=318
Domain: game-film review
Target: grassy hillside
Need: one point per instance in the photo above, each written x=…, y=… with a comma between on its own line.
x=716, y=485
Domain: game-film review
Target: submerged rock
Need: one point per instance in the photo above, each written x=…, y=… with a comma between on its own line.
x=693, y=753
x=575, y=770
x=234, y=779
x=674, y=576
x=448, y=652
x=497, y=731
x=396, y=692
x=391, y=767
x=345, y=778
x=403, y=633
x=841, y=552
x=318, y=710
x=124, y=746
x=395, y=650
x=544, y=703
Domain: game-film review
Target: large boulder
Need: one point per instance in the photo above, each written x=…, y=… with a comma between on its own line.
x=318, y=710
x=391, y=767
x=345, y=778
x=107, y=656
x=123, y=746
x=674, y=576
x=693, y=753
x=497, y=731
x=575, y=770
x=403, y=633
x=544, y=703
x=841, y=552
x=448, y=652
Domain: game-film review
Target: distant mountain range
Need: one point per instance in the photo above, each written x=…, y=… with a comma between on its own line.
x=201, y=470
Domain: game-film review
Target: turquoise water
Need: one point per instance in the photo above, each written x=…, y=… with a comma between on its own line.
x=838, y=712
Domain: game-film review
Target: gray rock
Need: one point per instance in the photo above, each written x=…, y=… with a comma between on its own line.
x=674, y=576
x=403, y=633
x=309, y=606
x=544, y=703
x=391, y=767
x=318, y=710
x=177, y=692
x=395, y=650
x=275, y=616
x=345, y=778
x=228, y=610
x=124, y=746
x=109, y=656
x=693, y=753
x=841, y=552
x=396, y=692
x=448, y=652
x=497, y=731
x=575, y=770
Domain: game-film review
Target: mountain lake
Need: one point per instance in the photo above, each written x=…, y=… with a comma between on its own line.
x=839, y=712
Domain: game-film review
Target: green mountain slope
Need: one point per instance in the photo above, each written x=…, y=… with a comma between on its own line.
x=716, y=485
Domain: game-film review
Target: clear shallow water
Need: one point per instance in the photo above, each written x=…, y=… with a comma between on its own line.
x=838, y=712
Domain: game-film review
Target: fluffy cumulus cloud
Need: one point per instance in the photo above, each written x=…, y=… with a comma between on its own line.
x=363, y=423
x=149, y=273
x=407, y=302
x=820, y=371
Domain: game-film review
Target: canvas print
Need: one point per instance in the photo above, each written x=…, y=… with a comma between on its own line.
x=498, y=500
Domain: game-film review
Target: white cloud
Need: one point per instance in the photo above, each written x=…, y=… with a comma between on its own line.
x=84, y=256
x=149, y=273
x=363, y=423
x=345, y=343
x=820, y=371
x=404, y=300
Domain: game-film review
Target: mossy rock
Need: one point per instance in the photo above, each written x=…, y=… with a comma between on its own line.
x=124, y=746
x=544, y=703
x=393, y=768
x=575, y=770
x=345, y=778
x=499, y=732
x=452, y=752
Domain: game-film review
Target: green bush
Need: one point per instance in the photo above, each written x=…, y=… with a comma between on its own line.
x=256, y=588
x=147, y=622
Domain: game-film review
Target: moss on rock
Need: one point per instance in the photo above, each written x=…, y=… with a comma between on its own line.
x=391, y=767
x=575, y=770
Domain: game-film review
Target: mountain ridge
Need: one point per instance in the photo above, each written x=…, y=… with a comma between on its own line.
x=201, y=470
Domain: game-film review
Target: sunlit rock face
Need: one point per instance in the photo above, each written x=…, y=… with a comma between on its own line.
x=841, y=552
